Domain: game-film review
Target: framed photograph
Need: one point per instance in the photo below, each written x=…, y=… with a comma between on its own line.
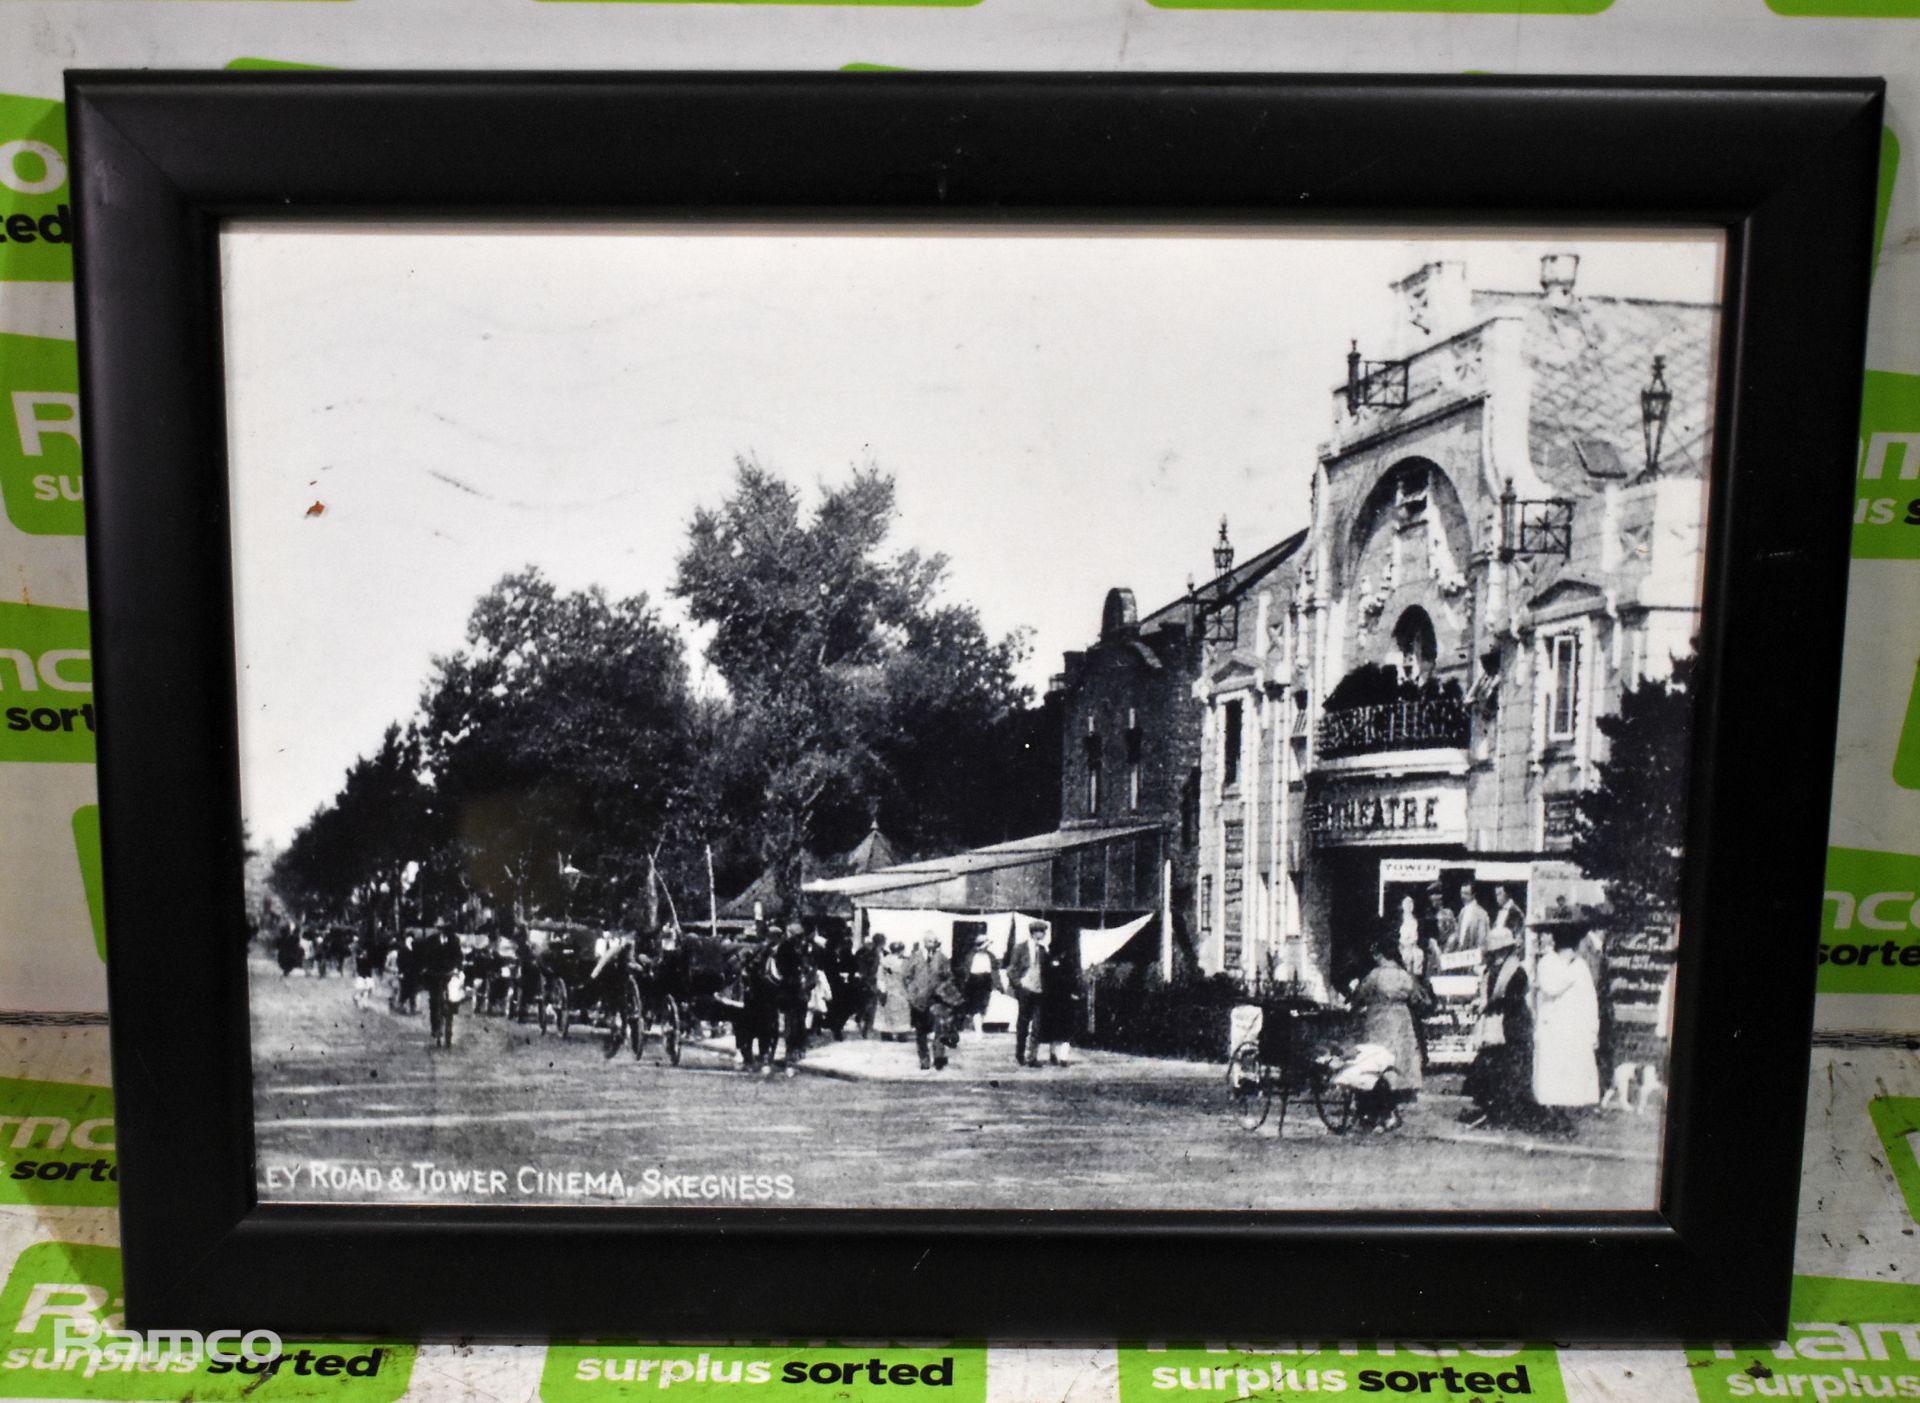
x=1045, y=706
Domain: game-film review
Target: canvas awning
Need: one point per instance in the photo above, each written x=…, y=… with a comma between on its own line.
x=988, y=873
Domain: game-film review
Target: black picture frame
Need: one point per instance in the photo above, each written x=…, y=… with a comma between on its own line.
x=1787, y=168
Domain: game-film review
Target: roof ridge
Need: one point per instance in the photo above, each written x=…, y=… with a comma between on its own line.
x=1608, y=297
x=1251, y=569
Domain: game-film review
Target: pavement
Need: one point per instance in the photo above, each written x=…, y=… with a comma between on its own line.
x=988, y=1058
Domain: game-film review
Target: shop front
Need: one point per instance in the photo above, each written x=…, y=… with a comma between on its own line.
x=1376, y=840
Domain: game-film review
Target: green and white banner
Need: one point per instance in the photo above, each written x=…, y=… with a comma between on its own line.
x=1849, y=1339
x=1493, y=1373
x=818, y=1370
x=55, y=1284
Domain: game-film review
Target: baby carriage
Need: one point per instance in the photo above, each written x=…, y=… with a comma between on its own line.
x=1366, y=1071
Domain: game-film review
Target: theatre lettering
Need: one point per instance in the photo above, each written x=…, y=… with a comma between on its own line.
x=1413, y=812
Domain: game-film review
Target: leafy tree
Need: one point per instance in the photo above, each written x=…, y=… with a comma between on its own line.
x=857, y=695
x=371, y=832
x=1630, y=829
x=559, y=735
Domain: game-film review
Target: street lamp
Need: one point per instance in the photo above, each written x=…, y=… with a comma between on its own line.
x=1216, y=611
x=1655, y=401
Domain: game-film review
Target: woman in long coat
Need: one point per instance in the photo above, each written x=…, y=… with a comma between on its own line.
x=1060, y=1004
x=891, y=1018
x=1500, y=1081
x=1388, y=1000
x=1566, y=1028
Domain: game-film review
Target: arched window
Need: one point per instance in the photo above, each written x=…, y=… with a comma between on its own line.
x=1414, y=646
x=1414, y=495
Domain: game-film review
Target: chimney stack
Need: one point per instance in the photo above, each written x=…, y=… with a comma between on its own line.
x=1557, y=274
x=1434, y=303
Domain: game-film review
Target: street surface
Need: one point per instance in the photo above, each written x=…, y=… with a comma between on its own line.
x=354, y=1105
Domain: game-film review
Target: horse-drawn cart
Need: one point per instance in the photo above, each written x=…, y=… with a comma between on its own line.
x=492, y=965
x=649, y=1005
x=563, y=989
x=680, y=984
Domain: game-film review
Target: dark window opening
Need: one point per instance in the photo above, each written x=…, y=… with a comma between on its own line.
x=1564, y=711
x=1092, y=744
x=1230, y=754
x=1133, y=763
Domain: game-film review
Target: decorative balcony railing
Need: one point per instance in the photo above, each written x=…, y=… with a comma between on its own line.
x=1404, y=725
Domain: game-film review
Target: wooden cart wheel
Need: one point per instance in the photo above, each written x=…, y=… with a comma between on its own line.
x=636, y=1016
x=540, y=996
x=670, y=1028
x=1249, y=1091
x=562, y=1011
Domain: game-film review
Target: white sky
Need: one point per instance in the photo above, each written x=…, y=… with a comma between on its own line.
x=1062, y=413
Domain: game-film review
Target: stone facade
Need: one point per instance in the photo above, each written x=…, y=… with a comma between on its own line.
x=1491, y=562
x=1131, y=734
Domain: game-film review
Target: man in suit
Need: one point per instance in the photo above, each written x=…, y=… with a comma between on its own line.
x=932, y=998
x=1507, y=914
x=792, y=973
x=1471, y=932
x=440, y=955
x=756, y=1027
x=1027, y=976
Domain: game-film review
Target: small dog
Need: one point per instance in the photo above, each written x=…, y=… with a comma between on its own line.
x=1636, y=1085
x=1651, y=1087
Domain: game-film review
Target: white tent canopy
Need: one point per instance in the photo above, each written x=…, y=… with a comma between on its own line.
x=1099, y=946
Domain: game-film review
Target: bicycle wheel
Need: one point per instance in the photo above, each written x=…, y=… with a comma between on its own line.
x=1334, y=1102
x=1249, y=1090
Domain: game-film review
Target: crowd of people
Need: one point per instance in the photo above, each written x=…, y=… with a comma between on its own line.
x=1541, y=1027
x=801, y=985
x=429, y=961
x=780, y=987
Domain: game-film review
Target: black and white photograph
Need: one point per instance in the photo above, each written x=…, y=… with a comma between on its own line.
x=1063, y=717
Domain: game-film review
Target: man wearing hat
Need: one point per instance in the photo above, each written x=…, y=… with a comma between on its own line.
x=792, y=972
x=932, y=1001
x=1500, y=1081
x=1027, y=977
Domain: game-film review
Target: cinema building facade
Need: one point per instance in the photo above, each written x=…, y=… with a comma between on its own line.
x=1505, y=534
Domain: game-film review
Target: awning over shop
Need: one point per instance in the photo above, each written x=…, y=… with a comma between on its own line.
x=1106, y=868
